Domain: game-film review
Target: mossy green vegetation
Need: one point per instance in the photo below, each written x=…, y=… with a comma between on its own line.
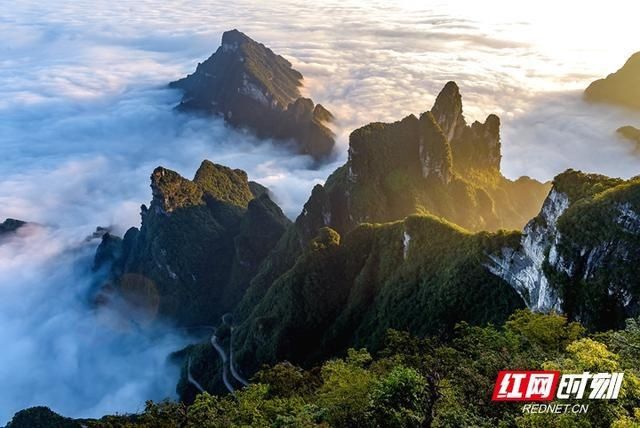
x=224, y=184
x=600, y=242
x=422, y=274
x=414, y=382
x=577, y=185
x=200, y=243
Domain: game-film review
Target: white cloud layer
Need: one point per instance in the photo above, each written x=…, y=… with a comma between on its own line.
x=85, y=117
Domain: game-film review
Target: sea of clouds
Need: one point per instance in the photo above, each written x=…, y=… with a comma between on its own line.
x=85, y=116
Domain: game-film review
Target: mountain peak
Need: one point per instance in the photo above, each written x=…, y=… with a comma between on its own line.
x=234, y=36
x=409, y=166
x=252, y=87
x=171, y=191
x=447, y=110
x=633, y=61
x=204, y=237
x=630, y=133
x=472, y=147
x=223, y=183
x=11, y=225
x=215, y=182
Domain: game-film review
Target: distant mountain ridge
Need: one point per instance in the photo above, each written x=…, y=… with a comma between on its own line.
x=10, y=225
x=630, y=133
x=621, y=88
x=251, y=86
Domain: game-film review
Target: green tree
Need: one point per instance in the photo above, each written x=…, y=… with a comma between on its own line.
x=400, y=399
x=345, y=389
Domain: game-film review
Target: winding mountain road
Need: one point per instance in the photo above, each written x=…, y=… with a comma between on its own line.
x=232, y=365
x=227, y=361
x=191, y=379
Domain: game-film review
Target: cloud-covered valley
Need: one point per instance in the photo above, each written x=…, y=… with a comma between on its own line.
x=85, y=116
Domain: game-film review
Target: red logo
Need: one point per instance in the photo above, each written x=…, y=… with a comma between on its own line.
x=526, y=386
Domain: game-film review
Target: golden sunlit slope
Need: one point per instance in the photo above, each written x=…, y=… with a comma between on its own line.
x=621, y=87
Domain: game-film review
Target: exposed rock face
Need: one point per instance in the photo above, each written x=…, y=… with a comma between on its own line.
x=581, y=254
x=621, y=88
x=447, y=111
x=199, y=244
x=10, y=225
x=473, y=147
x=250, y=86
x=403, y=168
x=523, y=268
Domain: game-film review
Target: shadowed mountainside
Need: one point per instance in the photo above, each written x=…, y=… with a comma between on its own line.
x=199, y=244
x=252, y=87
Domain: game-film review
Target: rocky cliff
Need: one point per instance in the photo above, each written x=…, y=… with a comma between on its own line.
x=200, y=242
x=435, y=164
x=252, y=87
x=621, y=88
x=581, y=254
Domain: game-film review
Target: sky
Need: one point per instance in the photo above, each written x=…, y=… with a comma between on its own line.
x=85, y=116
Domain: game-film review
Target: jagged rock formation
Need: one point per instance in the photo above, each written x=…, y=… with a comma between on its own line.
x=250, y=86
x=434, y=164
x=199, y=244
x=10, y=225
x=581, y=254
x=473, y=147
x=621, y=88
x=630, y=133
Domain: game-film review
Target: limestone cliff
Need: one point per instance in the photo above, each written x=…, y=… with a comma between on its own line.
x=581, y=254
